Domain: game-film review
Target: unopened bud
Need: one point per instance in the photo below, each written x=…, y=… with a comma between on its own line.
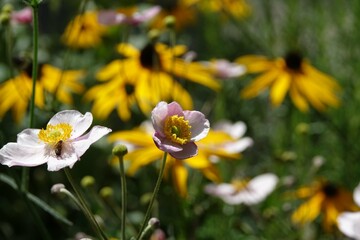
x=153, y=35
x=87, y=181
x=5, y=18
x=170, y=21
x=7, y=8
x=106, y=192
x=120, y=150
x=56, y=188
x=154, y=223
x=302, y=128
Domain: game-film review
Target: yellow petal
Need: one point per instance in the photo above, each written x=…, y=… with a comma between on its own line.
x=255, y=64
x=127, y=50
x=309, y=210
x=259, y=84
x=298, y=99
x=179, y=177
x=279, y=88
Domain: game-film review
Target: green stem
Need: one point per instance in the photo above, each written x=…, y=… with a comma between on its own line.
x=25, y=171
x=123, y=196
x=9, y=40
x=153, y=197
x=84, y=206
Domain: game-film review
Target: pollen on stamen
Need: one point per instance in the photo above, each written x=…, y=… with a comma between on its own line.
x=177, y=129
x=55, y=133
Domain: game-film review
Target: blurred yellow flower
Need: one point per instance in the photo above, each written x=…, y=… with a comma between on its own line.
x=15, y=95
x=292, y=74
x=236, y=8
x=322, y=197
x=84, y=31
x=145, y=77
x=61, y=83
x=182, y=10
x=217, y=144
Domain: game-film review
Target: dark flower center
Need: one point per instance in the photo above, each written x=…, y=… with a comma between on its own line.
x=149, y=58
x=129, y=88
x=26, y=66
x=330, y=190
x=293, y=61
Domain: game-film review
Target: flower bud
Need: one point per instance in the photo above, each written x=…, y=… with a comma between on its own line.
x=153, y=35
x=170, y=22
x=87, y=181
x=106, y=192
x=7, y=8
x=120, y=150
x=56, y=188
x=5, y=18
x=154, y=223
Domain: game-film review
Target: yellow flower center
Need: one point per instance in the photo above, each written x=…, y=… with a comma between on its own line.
x=55, y=133
x=240, y=185
x=177, y=129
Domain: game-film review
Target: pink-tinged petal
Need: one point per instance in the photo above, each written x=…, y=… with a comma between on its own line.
x=189, y=150
x=146, y=15
x=29, y=137
x=161, y=112
x=22, y=16
x=14, y=154
x=200, y=126
x=158, y=116
x=79, y=122
x=357, y=195
x=165, y=144
x=82, y=143
x=349, y=224
x=219, y=190
x=110, y=17
x=68, y=159
x=175, y=109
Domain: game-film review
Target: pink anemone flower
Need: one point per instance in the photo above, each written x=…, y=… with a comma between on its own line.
x=111, y=17
x=177, y=130
x=22, y=16
x=60, y=145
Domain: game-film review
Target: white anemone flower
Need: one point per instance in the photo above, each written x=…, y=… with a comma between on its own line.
x=349, y=222
x=60, y=145
x=247, y=192
x=236, y=131
x=222, y=68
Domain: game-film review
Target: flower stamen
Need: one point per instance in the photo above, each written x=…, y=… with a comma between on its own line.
x=55, y=133
x=177, y=129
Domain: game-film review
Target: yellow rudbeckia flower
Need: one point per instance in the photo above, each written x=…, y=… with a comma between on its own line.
x=305, y=84
x=217, y=144
x=322, y=197
x=61, y=83
x=237, y=8
x=144, y=78
x=84, y=31
x=182, y=10
x=15, y=95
